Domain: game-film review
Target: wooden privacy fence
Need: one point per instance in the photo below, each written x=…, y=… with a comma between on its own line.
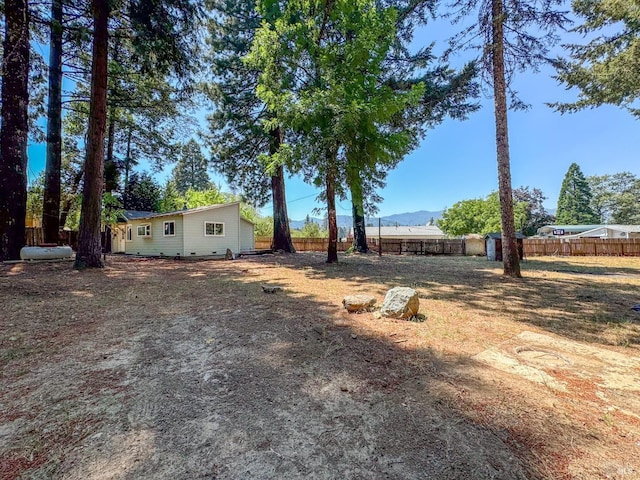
x=389, y=246
x=535, y=247
x=303, y=244
x=422, y=247
x=34, y=236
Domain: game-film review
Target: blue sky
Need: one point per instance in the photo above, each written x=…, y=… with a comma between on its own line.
x=457, y=159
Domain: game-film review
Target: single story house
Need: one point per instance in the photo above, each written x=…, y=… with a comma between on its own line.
x=194, y=232
x=419, y=232
x=494, y=246
x=610, y=231
x=119, y=231
x=562, y=230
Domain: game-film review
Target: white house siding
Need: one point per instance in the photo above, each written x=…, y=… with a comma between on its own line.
x=157, y=244
x=247, y=239
x=197, y=244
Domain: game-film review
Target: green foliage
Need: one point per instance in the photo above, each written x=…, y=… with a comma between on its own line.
x=605, y=70
x=574, y=201
x=237, y=137
x=35, y=195
x=310, y=229
x=111, y=209
x=318, y=77
x=529, y=31
x=263, y=226
x=480, y=215
x=171, y=200
x=142, y=193
x=322, y=79
x=616, y=198
x=535, y=215
x=191, y=170
x=313, y=230
x=203, y=198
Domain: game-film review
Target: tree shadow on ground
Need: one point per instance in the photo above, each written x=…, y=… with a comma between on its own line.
x=586, y=303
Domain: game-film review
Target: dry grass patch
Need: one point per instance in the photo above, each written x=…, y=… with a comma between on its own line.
x=222, y=379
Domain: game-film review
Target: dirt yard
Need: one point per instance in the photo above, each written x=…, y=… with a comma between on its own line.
x=161, y=369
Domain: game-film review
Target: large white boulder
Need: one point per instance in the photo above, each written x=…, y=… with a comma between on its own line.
x=400, y=302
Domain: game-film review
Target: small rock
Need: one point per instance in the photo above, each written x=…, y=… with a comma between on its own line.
x=358, y=303
x=13, y=339
x=271, y=288
x=344, y=388
x=354, y=336
x=400, y=302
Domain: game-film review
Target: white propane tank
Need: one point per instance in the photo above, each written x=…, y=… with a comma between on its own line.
x=46, y=253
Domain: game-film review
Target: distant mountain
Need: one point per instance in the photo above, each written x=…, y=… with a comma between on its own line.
x=409, y=219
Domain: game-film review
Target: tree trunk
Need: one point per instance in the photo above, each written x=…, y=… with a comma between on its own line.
x=89, y=245
x=51, y=203
x=359, y=229
x=332, y=249
x=357, y=208
x=281, y=231
x=510, y=259
x=14, y=135
x=110, y=167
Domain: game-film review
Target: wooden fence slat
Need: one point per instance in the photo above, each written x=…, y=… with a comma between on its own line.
x=581, y=246
x=532, y=246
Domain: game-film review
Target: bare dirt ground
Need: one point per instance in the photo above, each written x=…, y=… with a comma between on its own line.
x=165, y=369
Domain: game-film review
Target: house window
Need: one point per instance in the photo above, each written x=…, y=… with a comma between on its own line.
x=144, y=230
x=213, y=229
x=169, y=228
x=129, y=233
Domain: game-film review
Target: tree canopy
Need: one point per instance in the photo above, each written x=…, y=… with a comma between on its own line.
x=606, y=70
x=616, y=198
x=574, y=201
x=191, y=170
x=480, y=215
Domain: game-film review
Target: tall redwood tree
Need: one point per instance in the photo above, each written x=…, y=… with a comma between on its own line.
x=51, y=203
x=89, y=243
x=14, y=134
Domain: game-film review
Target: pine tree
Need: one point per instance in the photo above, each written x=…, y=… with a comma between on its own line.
x=158, y=48
x=143, y=193
x=238, y=137
x=607, y=69
x=191, y=170
x=52, y=190
x=574, y=202
x=320, y=66
x=15, y=129
x=513, y=37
